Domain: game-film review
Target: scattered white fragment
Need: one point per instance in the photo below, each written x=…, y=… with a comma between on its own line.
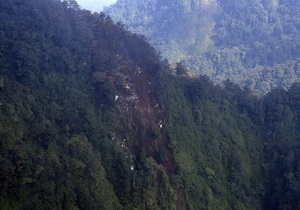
x=157, y=105
x=132, y=167
x=140, y=72
x=116, y=97
x=160, y=124
x=84, y=64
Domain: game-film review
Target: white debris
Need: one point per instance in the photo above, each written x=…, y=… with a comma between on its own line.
x=157, y=105
x=116, y=97
x=132, y=167
x=160, y=124
x=133, y=98
x=84, y=64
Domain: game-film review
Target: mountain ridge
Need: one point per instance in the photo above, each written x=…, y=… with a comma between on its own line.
x=91, y=117
x=234, y=40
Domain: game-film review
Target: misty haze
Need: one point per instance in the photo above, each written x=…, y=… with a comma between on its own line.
x=150, y=104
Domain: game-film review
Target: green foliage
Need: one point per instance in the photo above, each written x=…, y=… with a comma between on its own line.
x=57, y=113
x=90, y=118
x=252, y=43
x=215, y=147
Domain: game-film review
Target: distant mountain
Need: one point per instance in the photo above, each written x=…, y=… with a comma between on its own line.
x=92, y=118
x=253, y=43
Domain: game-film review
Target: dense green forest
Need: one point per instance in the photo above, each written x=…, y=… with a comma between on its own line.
x=253, y=43
x=91, y=117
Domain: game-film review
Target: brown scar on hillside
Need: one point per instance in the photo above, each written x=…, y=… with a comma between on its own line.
x=144, y=118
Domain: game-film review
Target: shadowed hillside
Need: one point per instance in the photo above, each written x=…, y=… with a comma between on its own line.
x=92, y=118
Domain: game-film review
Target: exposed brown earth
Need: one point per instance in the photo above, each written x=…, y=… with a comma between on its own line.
x=142, y=115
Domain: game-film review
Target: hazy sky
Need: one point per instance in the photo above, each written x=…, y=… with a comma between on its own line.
x=95, y=5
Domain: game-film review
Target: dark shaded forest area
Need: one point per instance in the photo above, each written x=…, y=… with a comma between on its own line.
x=92, y=118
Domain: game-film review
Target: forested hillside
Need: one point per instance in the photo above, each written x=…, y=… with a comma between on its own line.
x=253, y=43
x=92, y=118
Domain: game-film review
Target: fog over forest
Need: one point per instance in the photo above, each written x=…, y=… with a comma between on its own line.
x=252, y=43
x=95, y=5
x=184, y=104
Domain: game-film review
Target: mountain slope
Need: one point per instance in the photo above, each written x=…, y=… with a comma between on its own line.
x=60, y=145
x=253, y=43
x=91, y=118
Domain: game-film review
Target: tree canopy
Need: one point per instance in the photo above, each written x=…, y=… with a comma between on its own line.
x=91, y=117
x=253, y=43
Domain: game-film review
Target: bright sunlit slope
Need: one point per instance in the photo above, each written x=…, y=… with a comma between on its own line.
x=254, y=43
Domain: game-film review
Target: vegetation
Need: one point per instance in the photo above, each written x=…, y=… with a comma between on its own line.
x=253, y=43
x=92, y=118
